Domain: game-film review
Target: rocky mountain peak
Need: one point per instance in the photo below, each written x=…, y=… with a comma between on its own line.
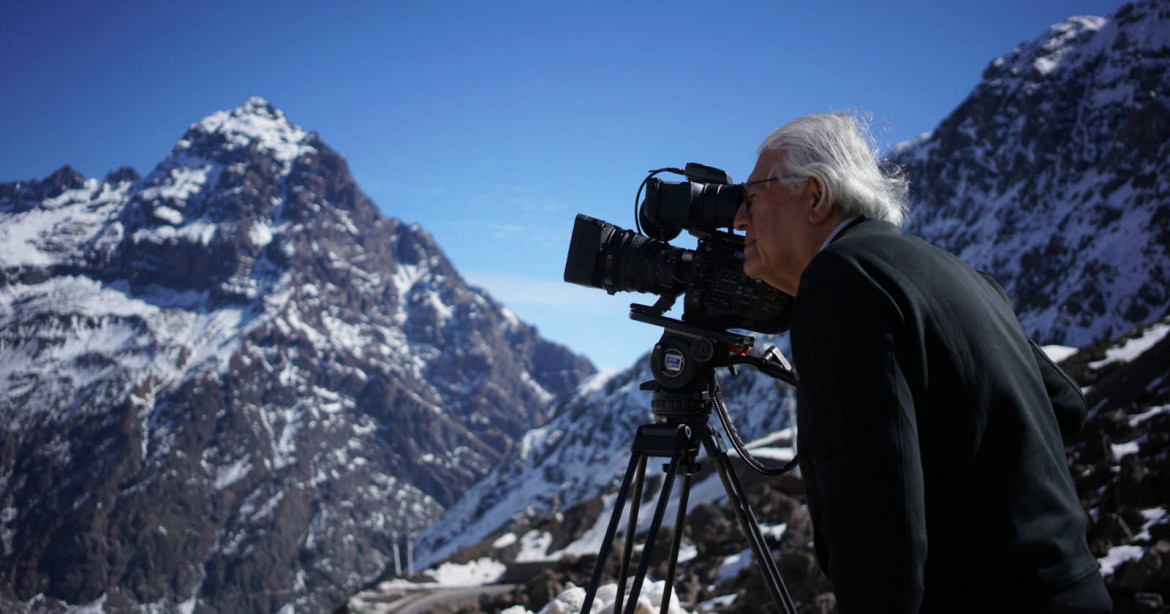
x=23, y=195
x=125, y=174
x=1039, y=57
x=236, y=373
x=254, y=125
x=231, y=203
x=227, y=151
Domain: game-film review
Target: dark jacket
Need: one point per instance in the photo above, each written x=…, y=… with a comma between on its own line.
x=930, y=437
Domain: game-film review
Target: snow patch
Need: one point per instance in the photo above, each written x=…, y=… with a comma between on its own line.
x=732, y=566
x=571, y=601
x=1057, y=353
x=1118, y=555
x=58, y=229
x=1121, y=450
x=475, y=573
x=1132, y=348
x=176, y=185
x=230, y=474
x=534, y=547
x=504, y=541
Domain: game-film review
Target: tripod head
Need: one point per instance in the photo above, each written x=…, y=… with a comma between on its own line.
x=683, y=364
x=684, y=361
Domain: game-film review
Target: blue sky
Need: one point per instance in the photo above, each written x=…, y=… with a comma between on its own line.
x=492, y=124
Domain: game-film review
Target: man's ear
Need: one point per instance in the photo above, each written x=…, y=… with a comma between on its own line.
x=819, y=208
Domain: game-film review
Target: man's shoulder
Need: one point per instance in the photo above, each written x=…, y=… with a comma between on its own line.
x=853, y=262
x=868, y=235
x=854, y=249
x=878, y=243
x=876, y=253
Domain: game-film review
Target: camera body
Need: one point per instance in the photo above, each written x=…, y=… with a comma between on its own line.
x=718, y=295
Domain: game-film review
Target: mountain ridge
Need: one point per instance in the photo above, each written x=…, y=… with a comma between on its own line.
x=236, y=372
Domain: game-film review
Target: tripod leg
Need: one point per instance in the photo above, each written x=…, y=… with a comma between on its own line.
x=683, y=496
x=631, y=531
x=655, y=524
x=748, y=523
x=637, y=461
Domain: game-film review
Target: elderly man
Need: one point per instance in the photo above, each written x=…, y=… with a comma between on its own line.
x=930, y=426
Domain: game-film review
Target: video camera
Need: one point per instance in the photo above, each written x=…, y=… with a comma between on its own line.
x=718, y=294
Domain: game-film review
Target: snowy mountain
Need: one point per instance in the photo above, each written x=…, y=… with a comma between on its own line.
x=234, y=385
x=1052, y=176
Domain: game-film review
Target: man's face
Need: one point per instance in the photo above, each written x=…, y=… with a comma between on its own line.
x=776, y=247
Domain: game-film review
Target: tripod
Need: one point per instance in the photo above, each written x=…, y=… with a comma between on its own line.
x=685, y=389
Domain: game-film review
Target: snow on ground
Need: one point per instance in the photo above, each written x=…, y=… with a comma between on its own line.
x=1132, y=348
x=476, y=573
x=775, y=446
x=718, y=602
x=1121, y=450
x=533, y=546
x=1057, y=353
x=479, y=572
x=570, y=601
x=1121, y=554
x=1137, y=419
x=1117, y=556
x=732, y=565
x=736, y=563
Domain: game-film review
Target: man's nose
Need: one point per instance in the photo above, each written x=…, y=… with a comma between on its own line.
x=742, y=217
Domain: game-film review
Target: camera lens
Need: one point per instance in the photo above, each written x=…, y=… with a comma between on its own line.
x=602, y=255
x=718, y=294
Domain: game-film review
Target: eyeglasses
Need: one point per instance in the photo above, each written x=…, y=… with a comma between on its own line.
x=759, y=181
x=747, y=203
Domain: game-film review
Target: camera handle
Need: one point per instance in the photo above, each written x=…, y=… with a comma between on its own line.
x=684, y=393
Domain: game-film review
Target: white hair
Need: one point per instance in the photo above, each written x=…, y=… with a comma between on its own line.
x=835, y=149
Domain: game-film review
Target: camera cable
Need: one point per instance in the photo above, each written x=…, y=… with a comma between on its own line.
x=774, y=365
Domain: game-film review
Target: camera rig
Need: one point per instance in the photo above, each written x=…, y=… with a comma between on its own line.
x=719, y=296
